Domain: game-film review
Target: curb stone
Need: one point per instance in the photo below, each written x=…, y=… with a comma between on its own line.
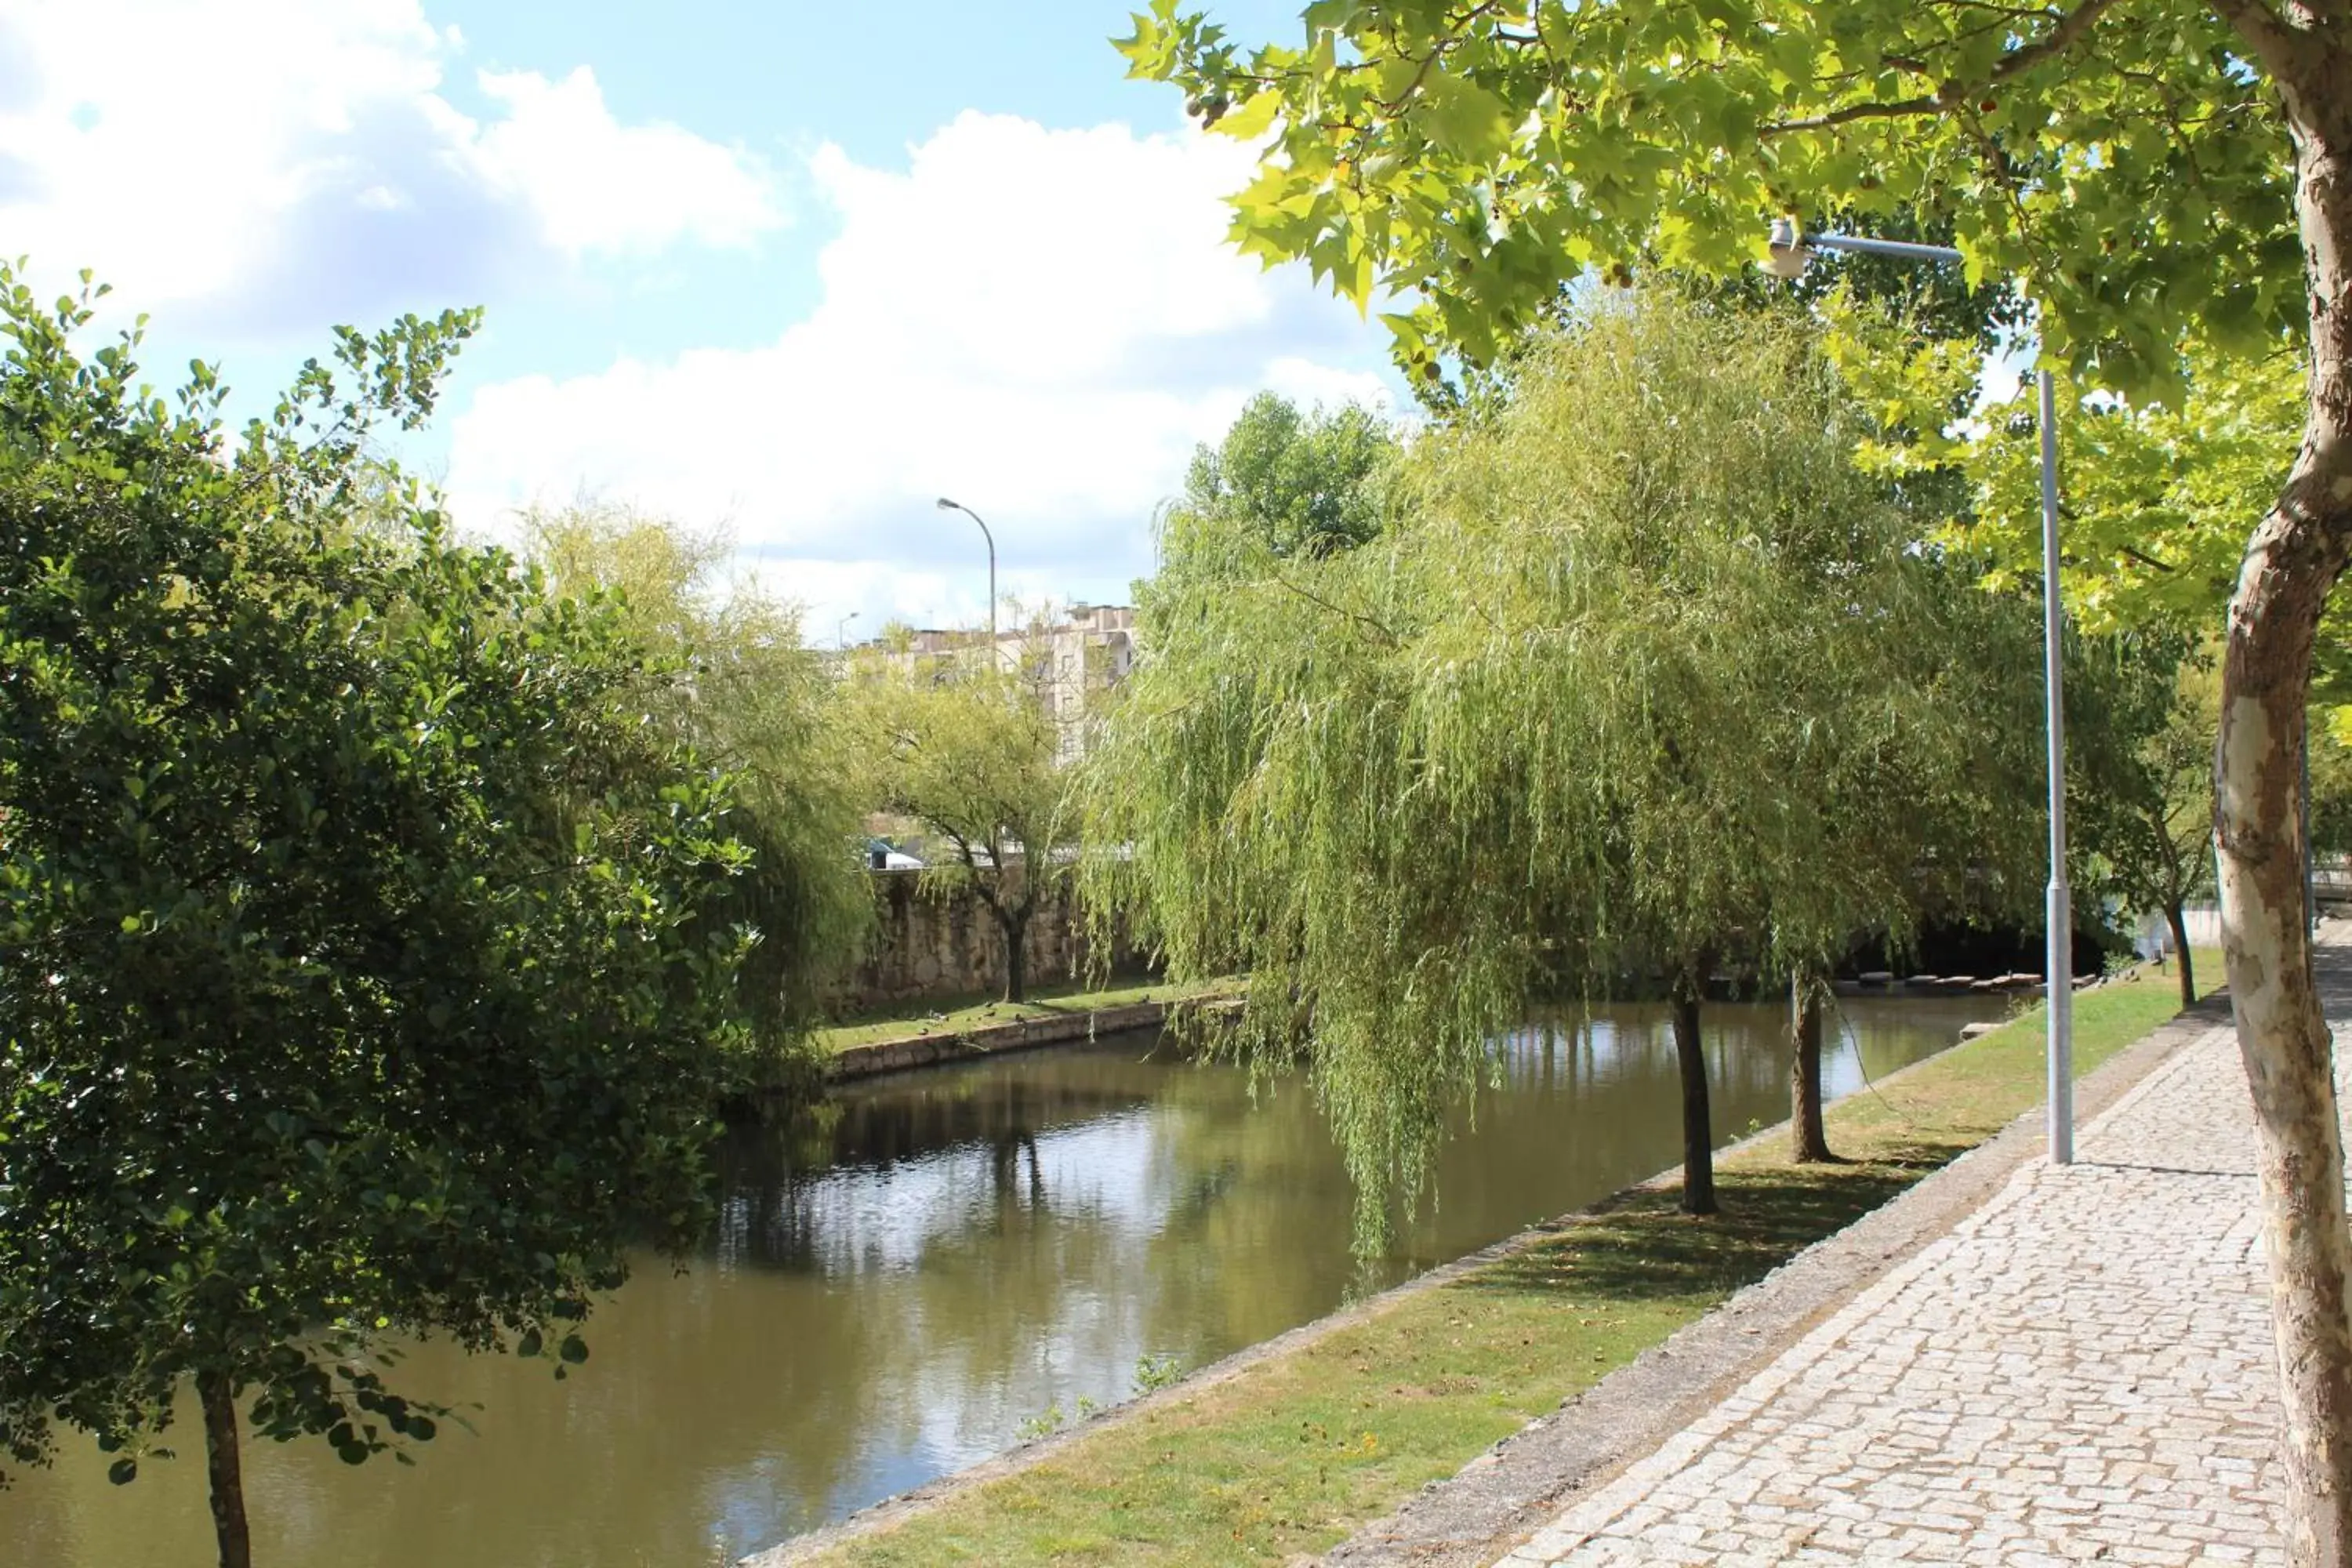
x=906, y=1054
x=993, y=1039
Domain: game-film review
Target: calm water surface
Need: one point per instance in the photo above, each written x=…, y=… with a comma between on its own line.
x=893, y=1291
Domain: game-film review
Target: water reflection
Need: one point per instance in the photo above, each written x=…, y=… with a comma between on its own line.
x=890, y=1293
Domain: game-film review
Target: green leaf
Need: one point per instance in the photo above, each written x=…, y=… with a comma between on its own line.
x=1252, y=118
x=1463, y=118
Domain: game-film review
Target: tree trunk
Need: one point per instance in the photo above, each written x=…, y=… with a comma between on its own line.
x=1809, y=1139
x=2291, y=562
x=1017, y=953
x=224, y=1469
x=1698, y=1138
x=2179, y=924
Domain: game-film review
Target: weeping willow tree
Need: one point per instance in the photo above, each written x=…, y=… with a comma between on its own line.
x=1647, y=681
x=1924, y=773
x=734, y=680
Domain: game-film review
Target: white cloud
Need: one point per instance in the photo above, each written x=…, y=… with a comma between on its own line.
x=272, y=163
x=1040, y=323
x=597, y=184
x=1310, y=385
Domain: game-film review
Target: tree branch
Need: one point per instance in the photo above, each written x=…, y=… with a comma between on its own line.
x=980, y=884
x=2283, y=48
x=1365, y=621
x=1901, y=110
x=2061, y=37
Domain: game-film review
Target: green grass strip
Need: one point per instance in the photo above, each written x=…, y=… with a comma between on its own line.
x=1291, y=1455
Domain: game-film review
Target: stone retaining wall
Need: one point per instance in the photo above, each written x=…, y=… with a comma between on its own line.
x=931, y=944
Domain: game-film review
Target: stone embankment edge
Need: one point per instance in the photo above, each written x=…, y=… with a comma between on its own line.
x=1498, y=1500
x=1515, y=1486
x=912, y=1051
x=997, y=1039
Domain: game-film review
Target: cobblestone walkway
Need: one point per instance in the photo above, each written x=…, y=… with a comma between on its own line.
x=2081, y=1372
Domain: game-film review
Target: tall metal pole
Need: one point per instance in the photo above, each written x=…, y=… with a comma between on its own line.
x=947, y=505
x=1790, y=249
x=2059, y=967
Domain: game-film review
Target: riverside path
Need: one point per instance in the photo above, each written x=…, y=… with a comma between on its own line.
x=2080, y=1372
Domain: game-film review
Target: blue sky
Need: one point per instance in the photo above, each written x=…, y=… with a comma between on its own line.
x=784, y=269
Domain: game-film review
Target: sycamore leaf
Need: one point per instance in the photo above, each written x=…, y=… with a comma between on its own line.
x=1463, y=118
x=1252, y=119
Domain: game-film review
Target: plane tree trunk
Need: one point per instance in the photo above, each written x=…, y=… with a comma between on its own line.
x=2292, y=562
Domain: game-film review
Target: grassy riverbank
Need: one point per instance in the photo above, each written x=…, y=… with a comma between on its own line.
x=1290, y=1455
x=962, y=1015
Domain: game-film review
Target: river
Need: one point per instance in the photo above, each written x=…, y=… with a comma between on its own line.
x=897, y=1286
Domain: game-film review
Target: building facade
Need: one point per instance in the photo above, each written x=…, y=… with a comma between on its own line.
x=1070, y=661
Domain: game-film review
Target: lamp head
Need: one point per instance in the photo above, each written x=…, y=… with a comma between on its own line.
x=1790, y=255
x=947, y=505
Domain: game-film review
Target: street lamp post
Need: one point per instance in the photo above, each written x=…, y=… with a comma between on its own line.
x=947, y=505
x=1790, y=251
x=841, y=630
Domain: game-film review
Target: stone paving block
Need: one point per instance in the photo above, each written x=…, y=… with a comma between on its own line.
x=2082, y=1371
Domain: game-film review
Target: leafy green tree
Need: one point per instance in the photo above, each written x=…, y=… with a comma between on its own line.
x=1936, y=325
x=1611, y=702
x=2140, y=776
x=1310, y=483
x=2331, y=787
x=2157, y=494
x=1926, y=787
x=971, y=747
x=364, y=969
x=2157, y=499
x=2143, y=168
x=733, y=678
x=2173, y=858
